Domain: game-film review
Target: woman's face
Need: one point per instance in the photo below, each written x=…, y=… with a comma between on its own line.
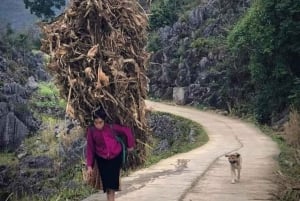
x=99, y=123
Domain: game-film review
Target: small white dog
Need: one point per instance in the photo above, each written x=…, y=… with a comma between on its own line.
x=235, y=161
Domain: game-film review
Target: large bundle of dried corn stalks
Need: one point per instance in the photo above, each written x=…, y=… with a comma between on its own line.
x=98, y=60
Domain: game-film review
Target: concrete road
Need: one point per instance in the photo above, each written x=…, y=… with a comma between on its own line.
x=203, y=174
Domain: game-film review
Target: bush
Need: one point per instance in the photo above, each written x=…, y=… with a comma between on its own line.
x=267, y=36
x=208, y=43
x=47, y=97
x=154, y=43
x=295, y=94
x=27, y=39
x=163, y=13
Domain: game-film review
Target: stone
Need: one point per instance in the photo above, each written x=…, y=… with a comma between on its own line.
x=197, y=16
x=180, y=95
x=31, y=83
x=210, y=56
x=162, y=146
x=14, y=88
x=4, y=108
x=203, y=63
x=12, y=132
x=22, y=155
x=36, y=162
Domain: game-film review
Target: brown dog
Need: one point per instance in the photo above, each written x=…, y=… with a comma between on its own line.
x=235, y=161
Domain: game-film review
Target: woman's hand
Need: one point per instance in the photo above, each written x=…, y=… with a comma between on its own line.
x=89, y=171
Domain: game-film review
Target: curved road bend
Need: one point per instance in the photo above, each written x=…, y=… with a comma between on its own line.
x=203, y=174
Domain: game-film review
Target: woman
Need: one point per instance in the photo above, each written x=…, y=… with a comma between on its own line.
x=103, y=148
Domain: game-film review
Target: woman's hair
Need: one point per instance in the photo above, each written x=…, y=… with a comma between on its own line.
x=99, y=113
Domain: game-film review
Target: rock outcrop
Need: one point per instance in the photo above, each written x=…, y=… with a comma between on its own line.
x=19, y=72
x=193, y=56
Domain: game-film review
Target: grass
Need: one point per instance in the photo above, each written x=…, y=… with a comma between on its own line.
x=8, y=159
x=45, y=137
x=47, y=96
x=77, y=193
x=183, y=144
x=289, y=160
x=292, y=129
x=73, y=174
x=288, y=176
x=208, y=43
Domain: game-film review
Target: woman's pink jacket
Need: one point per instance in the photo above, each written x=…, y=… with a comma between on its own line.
x=103, y=142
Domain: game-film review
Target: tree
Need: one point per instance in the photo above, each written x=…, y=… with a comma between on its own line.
x=164, y=13
x=45, y=9
x=268, y=36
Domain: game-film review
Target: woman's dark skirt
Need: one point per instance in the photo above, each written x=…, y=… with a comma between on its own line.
x=110, y=172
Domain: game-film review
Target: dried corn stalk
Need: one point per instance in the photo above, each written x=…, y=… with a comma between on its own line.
x=98, y=60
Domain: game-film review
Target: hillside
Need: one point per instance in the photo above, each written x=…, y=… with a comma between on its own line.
x=216, y=54
x=191, y=58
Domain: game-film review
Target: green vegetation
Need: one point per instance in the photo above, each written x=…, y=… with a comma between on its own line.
x=184, y=143
x=163, y=13
x=45, y=143
x=68, y=185
x=289, y=159
x=44, y=9
x=47, y=97
x=267, y=36
x=167, y=12
x=154, y=43
x=204, y=45
x=26, y=40
x=8, y=159
x=261, y=57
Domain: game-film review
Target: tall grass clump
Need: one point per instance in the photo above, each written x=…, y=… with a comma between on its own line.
x=289, y=160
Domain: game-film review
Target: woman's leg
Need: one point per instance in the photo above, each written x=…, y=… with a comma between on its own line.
x=110, y=175
x=110, y=195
